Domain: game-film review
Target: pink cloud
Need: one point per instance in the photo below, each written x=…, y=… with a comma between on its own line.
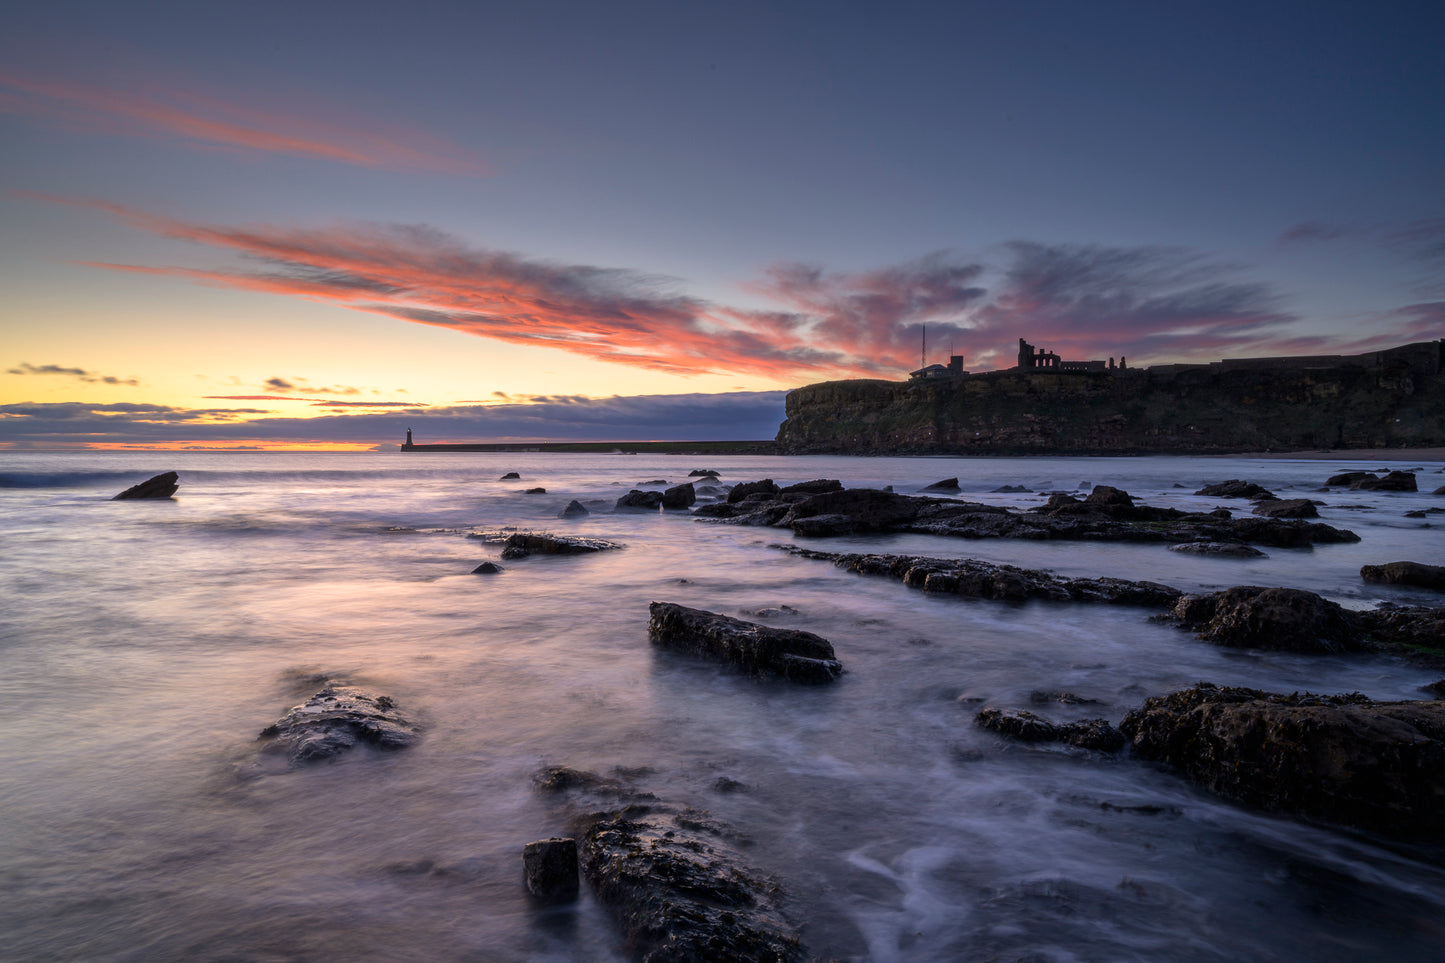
x=214, y=123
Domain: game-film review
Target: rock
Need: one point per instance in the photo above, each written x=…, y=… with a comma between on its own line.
x=764, y=487
x=865, y=510
x=815, y=487
x=336, y=719
x=535, y=491
x=702, y=473
x=1043, y=696
x=1437, y=689
x=1235, y=488
x=1421, y=628
x=522, y=544
x=655, y=481
x=946, y=485
x=1378, y=766
x=488, y=568
x=1107, y=496
x=795, y=655
x=555, y=779
x=509, y=476
x=681, y=893
x=640, y=500
x=1222, y=549
x=679, y=496
x=1406, y=573
x=1096, y=734
x=1439, y=491
x=1009, y=490
x=1347, y=478
x=550, y=869
x=1283, y=619
x=161, y=486
x=1395, y=481
x=574, y=509
x=1287, y=508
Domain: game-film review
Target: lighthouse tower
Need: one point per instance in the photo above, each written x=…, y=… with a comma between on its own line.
x=408, y=440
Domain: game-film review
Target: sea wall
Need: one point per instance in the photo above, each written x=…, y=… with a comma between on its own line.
x=1198, y=409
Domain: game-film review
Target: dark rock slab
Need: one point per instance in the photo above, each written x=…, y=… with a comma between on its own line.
x=1220, y=549
x=1347, y=478
x=1378, y=766
x=574, y=509
x=549, y=867
x=1283, y=619
x=815, y=487
x=637, y=500
x=488, y=568
x=1406, y=573
x=1235, y=488
x=747, y=489
x=944, y=485
x=336, y=719
x=759, y=649
x=509, y=476
x=681, y=892
x=1010, y=490
x=1108, y=496
x=1419, y=627
x=1395, y=481
x=1287, y=508
x=522, y=544
x=679, y=496
x=1025, y=726
x=987, y=580
x=703, y=473
x=535, y=491
x=160, y=486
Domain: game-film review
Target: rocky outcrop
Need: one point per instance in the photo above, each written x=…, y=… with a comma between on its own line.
x=160, y=486
x=336, y=719
x=1395, y=481
x=1406, y=573
x=574, y=509
x=748, y=489
x=549, y=868
x=1287, y=508
x=1291, y=620
x=1347, y=478
x=977, y=579
x=1020, y=724
x=945, y=485
x=758, y=649
x=523, y=544
x=1378, y=766
x=681, y=892
x=679, y=496
x=637, y=500
x=1235, y=488
x=509, y=476
x=1220, y=549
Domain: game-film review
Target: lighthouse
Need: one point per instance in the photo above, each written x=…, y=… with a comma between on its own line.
x=408, y=440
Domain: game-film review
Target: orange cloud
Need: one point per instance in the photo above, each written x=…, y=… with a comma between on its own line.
x=211, y=123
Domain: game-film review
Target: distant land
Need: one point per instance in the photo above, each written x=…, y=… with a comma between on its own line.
x=1387, y=399
x=762, y=447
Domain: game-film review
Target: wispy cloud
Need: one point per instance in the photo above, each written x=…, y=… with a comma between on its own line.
x=80, y=374
x=210, y=123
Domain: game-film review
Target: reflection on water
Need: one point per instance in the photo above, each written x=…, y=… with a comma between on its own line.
x=145, y=644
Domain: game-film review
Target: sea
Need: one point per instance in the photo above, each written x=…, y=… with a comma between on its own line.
x=145, y=644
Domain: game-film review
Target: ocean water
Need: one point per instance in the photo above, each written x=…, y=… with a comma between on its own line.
x=143, y=645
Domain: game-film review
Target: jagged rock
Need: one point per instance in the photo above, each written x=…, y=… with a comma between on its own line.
x=574, y=509
x=946, y=485
x=795, y=655
x=549, y=867
x=1023, y=725
x=640, y=500
x=1416, y=626
x=978, y=579
x=487, y=568
x=1287, y=508
x=1395, y=481
x=1439, y=491
x=535, y=491
x=336, y=719
x=679, y=496
x=1009, y=490
x=1224, y=549
x=1347, y=478
x=702, y=473
x=739, y=492
x=681, y=893
x=815, y=487
x=1108, y=496
x=522, y=544
x=1378, y=766
x=556, y=779
x=1235, y=488
x=1248, y=616
x=1406, y=573
x=509, y=476
x=1437, y=689
x=160, y=486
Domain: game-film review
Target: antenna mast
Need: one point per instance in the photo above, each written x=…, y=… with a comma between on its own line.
x=923, y=350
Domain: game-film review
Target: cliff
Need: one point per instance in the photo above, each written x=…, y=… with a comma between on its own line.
x=1396, y=400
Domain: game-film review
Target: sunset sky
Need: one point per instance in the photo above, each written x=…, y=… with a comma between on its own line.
x=314, y=224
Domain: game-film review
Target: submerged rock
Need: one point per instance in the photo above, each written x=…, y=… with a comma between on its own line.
x=1406, y=573
x=337, y=719
x=748, y=489
x=791, y=653
x=1291, y=620
x=1395, y=481
x=1287, y=508
x=945, y=485
x=574, y=509
x=679, y=496
x=1378, y=766
x=488, y=568
x=703, y=473
x=1222, y=549
x=1235, y=488
x=549, y=867
x=640, y=500
x=160, y=486
x=1020, y=724
x=681, y=893
x=509, y=476
x=1347, y=478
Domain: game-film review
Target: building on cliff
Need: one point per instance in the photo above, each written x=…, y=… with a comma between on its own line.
x=1037, y=359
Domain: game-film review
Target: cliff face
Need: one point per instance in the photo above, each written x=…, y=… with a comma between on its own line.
x=1198, y=410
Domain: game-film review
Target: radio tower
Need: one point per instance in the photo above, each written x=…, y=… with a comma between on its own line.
x=923, y=350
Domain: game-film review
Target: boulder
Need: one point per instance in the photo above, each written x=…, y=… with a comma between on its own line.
x=1347, y=478
x=509, y=476
x=681, y=893
x=1421, y=628
x=1287, y=508
x=764, y=487
x=1395, y=481
x=574, y=509
x=1378, y=766
x=1283, y=619
x=815, y=487
x=549, y=867
x=1406, y=573
x=640, y=501
x=336, y=719
x=535, y=491
x=679, y=496
x=1221, y=549
x=866, y=509
x=160, y=486
x=702, y=473
x=488, y=568
x=1235, y=488
x=522, y=544
x=1439, y=491
x=1107, y=496
x=759, y=649
x=945, y=485
x=1009, y=490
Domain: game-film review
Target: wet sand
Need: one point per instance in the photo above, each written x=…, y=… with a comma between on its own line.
x=1359, y=455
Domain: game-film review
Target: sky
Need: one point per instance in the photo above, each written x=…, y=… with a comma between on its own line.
x=314, y=225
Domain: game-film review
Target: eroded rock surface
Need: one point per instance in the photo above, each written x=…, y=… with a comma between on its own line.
x=1236, y=488
x=1346, y=759
x=337, y=719
x=1406, y=573
x=522, y=544
x=1025, y=726
x=161, y=486
x=759, y=649
x=1250, y=616
x=1221, y=549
